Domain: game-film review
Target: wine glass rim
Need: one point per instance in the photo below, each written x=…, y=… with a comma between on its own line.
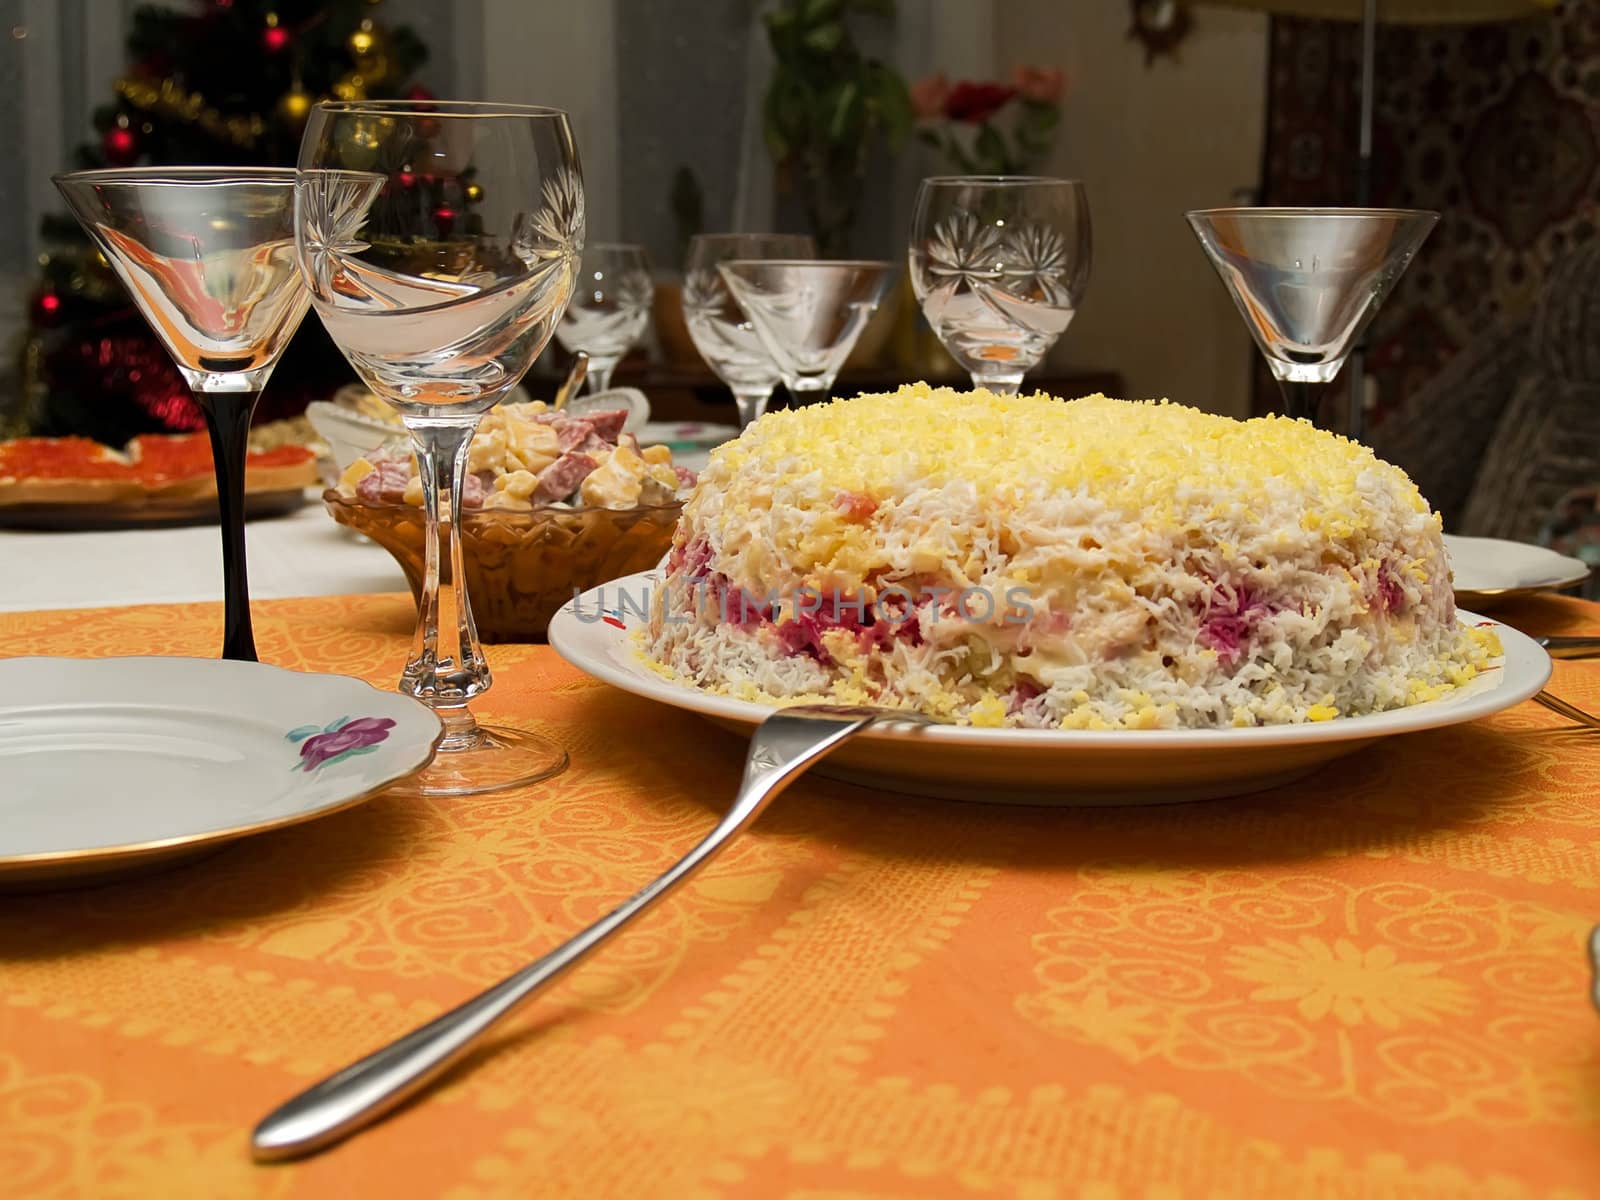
x=438, y=108
x=1001, y=180
x=188, y=174
x=1309, y=210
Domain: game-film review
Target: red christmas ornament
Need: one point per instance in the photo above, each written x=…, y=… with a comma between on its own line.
x=427, y=127
x=46, y=309
x=120, y=146
x=275, y=38
x=444, y=218
x=141, y=370
x=406, y=179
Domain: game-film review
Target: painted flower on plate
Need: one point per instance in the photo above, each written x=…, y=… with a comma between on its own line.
x=338, y=740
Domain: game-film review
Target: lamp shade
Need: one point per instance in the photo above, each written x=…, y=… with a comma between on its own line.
x=1400, y=12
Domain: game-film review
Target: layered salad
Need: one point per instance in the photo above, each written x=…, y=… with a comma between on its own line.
x=1033, y=562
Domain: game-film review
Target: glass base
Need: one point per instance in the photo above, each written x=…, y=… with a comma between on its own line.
x=487, y=758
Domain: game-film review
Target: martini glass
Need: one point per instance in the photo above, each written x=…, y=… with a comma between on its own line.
x=999, y=264
x=1308, y=280
x=442, y=319
x=718, y=326
x=207, y=253
x=807, y=313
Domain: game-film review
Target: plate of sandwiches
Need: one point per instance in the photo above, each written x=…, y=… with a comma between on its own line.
x=155, y=479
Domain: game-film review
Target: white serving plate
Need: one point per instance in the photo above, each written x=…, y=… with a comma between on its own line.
x=1488, y=571
x=111, y=764
x=1051, y=767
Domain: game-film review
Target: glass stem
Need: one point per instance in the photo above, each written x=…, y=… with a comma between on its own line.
x=228, y=424
x=599, y=376
x=1296, y=399
x=808, y=390
x=1000, y=385
x=751, y=405
x=447, y=668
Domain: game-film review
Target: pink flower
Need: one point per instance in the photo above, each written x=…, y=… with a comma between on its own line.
x=352, y=735
x=1042, y=85
x=927, y=96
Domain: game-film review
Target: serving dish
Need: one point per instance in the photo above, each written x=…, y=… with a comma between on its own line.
x=522, y=564
x=594, y=631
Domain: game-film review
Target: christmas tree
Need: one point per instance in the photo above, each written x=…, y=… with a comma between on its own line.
x=221, y=82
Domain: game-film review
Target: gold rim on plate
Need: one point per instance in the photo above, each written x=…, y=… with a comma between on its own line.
x=1474, y=597
x=105, y=862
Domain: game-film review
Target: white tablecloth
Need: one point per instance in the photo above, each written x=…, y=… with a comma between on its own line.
x=301, y=554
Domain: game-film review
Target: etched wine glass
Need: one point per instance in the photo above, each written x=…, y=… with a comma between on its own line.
x=1307, y=281
x=442, y=318
x=999, y=264
x=610, y=308
x=807, y=314
x=207, y=254
x=719, y=328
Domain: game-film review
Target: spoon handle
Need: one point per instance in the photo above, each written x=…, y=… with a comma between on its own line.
x=361, y=1093
x=570, y=386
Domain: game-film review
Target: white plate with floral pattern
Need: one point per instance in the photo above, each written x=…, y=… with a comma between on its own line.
x=1039, y=766
x=112, y=764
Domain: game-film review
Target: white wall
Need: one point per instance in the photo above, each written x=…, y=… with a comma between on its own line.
x=564, y=56
x=1151, y=143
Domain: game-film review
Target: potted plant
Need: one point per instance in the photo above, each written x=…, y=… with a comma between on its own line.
x=826, y=108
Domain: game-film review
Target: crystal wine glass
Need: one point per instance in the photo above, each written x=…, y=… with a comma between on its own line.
x=718, y=326
x=442, y=318
x=807, y=313
x=610, y=308
x=1308, y=280
x=999, y=264
x=207, y=253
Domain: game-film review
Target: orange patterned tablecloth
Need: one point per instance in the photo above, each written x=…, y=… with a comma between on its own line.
x=1372, y=984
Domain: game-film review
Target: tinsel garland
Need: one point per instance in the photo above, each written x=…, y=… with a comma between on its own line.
x=170, y=100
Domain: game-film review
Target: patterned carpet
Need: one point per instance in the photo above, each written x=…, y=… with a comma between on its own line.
x=1496, y=126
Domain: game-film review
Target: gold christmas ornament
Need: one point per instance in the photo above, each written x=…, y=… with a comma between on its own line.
x=473, y=192
x=295, y=106
x=363, y=41
x=369, y=46
x=358, y=145
x=350, y=87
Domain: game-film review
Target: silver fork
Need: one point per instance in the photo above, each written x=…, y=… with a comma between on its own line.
x=1594, y=965
x=1567, y=709
x=784, y=745
x=1570, y=647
